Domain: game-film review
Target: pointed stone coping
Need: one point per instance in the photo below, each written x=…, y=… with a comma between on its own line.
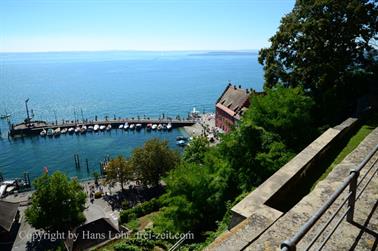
x=251, y=216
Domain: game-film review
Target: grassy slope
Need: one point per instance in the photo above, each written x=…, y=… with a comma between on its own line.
x=365, y=129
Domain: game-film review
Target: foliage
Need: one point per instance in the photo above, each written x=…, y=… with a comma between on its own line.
x=57, y=203
x=195, y=196
x=327, y=47
x=285, y=112
x=120, y=170
x=140, y=210
x=153, y=160
x=195, y=151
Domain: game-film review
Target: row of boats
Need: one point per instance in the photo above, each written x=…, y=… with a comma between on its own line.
x=95, y=128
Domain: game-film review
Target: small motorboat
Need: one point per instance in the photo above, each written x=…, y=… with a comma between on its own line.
x=159, y=127
x=149, y=127
x=169, y=126
x=90, y=129
x=102, y=127
x=181, y=142
x=57, y=132
x=64, y=131
x=71, y=130
x=178, y=138
x=50, y=132
x=154, y=127
x=109, y=127
x=5, y=116
x=126, y=126
x=83, y=129
x=132, y=127
x=138, y=126
x=96, y=128
x=77, y=130
x=43, y=133
x=120, y=127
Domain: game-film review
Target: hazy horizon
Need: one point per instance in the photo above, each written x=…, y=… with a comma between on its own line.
x=163, y=25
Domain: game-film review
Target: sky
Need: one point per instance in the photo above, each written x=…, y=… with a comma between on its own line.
x=92, y=25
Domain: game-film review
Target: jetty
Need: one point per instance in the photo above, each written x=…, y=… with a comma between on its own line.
x=30, y=127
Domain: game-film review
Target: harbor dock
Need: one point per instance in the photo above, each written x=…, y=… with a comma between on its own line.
x=30, y=127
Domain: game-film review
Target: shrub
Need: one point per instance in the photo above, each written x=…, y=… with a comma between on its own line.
x=140, y=210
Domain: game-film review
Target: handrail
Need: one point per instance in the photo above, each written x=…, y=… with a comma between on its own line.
x=351, y=181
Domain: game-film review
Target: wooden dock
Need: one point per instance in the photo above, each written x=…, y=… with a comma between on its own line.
x=35, y=127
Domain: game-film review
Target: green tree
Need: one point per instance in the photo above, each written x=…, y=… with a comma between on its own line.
x=196, y=150
x=327, y=47
x=119, y=170
x=153, y=160
x=57, y=204
x=285, y=112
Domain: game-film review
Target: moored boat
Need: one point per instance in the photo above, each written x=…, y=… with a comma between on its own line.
x=181, y=143
x=50, y=132
x=149, y=127
x=169, y=126
x=71, y=130
x=120, y=127
x=126, y=126
x=96, y=128
x=83, y=129
x=57, y=132
x=77, y=130
x=159, y=127
x=154, y=127
x=64, y=131
x=132, y=127
x=90, y=129
x=109, y=127
x=102, y=127
x=138, y=126
x=164, y=127
x=43, y=133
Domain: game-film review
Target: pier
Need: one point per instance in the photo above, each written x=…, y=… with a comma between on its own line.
x=30, y=128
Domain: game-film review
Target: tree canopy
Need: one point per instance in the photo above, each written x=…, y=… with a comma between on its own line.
x=153, y=160
x=119, y=170
x=57, y=203
x=328, y=47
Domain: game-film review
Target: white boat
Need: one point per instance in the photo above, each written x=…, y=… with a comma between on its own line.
x=90, y=129
x=5, y=116
x=159, y=127
x=83, y=129
x=169, y=126
x=126, y=126
x=57, y=132
x=64, y=131
x=149, y=127
x=138, y=126
x=96, y=128
x=102, y=127
x=181, y=143
x=77, y=130
x=154, y=127
x=120, y=127
x=43, y=133
x=109, y=127
x=71, y=130
x=132, y=126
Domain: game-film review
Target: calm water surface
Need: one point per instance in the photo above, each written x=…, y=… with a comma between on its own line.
x=121, y=84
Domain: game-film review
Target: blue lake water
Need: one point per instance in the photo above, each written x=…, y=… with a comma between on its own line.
x=124, y=84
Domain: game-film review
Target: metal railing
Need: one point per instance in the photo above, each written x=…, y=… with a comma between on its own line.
x=351, y=198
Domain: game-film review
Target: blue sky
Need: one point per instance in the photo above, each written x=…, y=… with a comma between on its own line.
x=69, y=25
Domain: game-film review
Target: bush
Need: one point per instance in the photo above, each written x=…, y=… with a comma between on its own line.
x=140, y=210
x=126, y=247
